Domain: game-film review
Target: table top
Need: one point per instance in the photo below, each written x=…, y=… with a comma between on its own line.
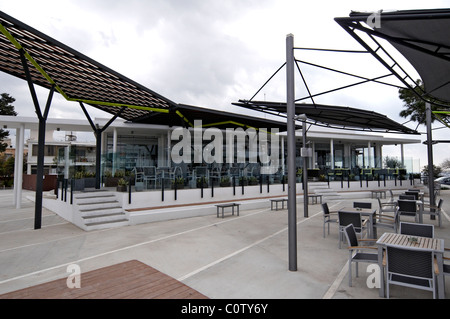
x=393, y=239
x=363, y=211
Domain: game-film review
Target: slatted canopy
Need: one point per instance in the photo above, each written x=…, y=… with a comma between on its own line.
x=75, y=76
x=334, y=116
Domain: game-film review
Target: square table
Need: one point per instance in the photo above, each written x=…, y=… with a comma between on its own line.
x=435, y=245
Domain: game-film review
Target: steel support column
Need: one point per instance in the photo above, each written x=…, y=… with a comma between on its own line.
x=41, y=140
x=292, y=192
x=98, y=138
x=430, y=156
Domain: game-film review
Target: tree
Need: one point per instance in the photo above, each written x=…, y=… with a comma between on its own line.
x=415, y=106
x=392, y=162
x=446, y=163
x=6, y=108
x=436, y=171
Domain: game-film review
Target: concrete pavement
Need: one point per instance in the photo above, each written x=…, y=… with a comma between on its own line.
x=231, y=258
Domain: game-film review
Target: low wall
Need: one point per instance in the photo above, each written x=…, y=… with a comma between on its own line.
x=29, y=182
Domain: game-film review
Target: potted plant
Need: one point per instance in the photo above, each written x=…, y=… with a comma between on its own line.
x=179, y=182
x=243, y=181
x=122, y=185
x=89, y=179
x=202, y=182
x=225, y=181
x=253, y=180
x=78, y=181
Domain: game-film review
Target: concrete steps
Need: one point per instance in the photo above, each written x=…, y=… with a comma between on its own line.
x=324, y=190
x=100, y=210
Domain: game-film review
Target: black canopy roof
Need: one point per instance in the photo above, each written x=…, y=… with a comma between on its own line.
x=333, y=116
x=421, y=36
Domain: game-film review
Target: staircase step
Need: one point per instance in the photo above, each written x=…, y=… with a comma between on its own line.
x=108, y=218
x=101, y=212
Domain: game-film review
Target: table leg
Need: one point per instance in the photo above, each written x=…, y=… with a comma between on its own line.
x=440, y=277
x=380, y=264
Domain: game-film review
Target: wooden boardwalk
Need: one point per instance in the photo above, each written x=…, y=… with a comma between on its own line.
x=128, y=280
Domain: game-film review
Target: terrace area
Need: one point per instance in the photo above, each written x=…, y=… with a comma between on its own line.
x=237, y=257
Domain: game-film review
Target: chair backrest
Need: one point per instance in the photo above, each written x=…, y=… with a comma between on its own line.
x=413, y=229
x=362, y=205
x=350, y=234
x=409, y=262
x=404, y=196
x=415, y=194
x=326, y=210
x=347, y=218
x=407, y=206
x=441, y=201
x=149, y=170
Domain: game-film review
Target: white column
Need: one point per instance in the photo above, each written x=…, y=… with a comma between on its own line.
x=20, y=133
x=368, y=155
x=402, y=154
x=332, y=153
x=114, y=157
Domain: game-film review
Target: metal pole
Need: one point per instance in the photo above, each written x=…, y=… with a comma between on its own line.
x=430, y=156
x=292, y=202
x=305, y=172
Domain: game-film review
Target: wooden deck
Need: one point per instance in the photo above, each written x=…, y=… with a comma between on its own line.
x=128, y=280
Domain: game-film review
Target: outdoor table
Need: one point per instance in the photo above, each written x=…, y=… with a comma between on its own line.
x=423, y=243
x=369, y=212
x=276, y=201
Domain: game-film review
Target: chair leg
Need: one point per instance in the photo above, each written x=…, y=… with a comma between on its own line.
x=350, y=269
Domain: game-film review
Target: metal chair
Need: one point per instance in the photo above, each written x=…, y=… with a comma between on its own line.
x=327, y=217
x=410, y=267
x=408, y=197
x=356, y=254
x=407, y=208
x=389, y=207
x=362, y=205
x=434, y=210
x=347, y=218
x=389, y=222
x=413, y=193
x=413, y=229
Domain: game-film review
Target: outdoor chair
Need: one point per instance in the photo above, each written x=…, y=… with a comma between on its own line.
x=413, y=193
x=356, y=254
x=347, y=218
x=434, y=210
x=389, y=222
x=410, y=267
x=386, y=207
x=391, y=196
x=327, y=217
x=413, y=229
x=407, y=208
x=149, y=175
x=362, y=205
x=408, y=197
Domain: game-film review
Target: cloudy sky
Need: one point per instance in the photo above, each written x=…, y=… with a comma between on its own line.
x=211, y=53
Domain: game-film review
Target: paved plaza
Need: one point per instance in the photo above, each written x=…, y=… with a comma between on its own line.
x=237, y=257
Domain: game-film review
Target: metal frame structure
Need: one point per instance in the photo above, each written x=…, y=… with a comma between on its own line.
x=424, y=47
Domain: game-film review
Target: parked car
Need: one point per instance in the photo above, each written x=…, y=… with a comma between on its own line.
x=443, y=180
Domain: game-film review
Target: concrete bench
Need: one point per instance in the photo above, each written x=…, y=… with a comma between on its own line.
x=223, y=206
x=314, y=198
x=276, y=201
